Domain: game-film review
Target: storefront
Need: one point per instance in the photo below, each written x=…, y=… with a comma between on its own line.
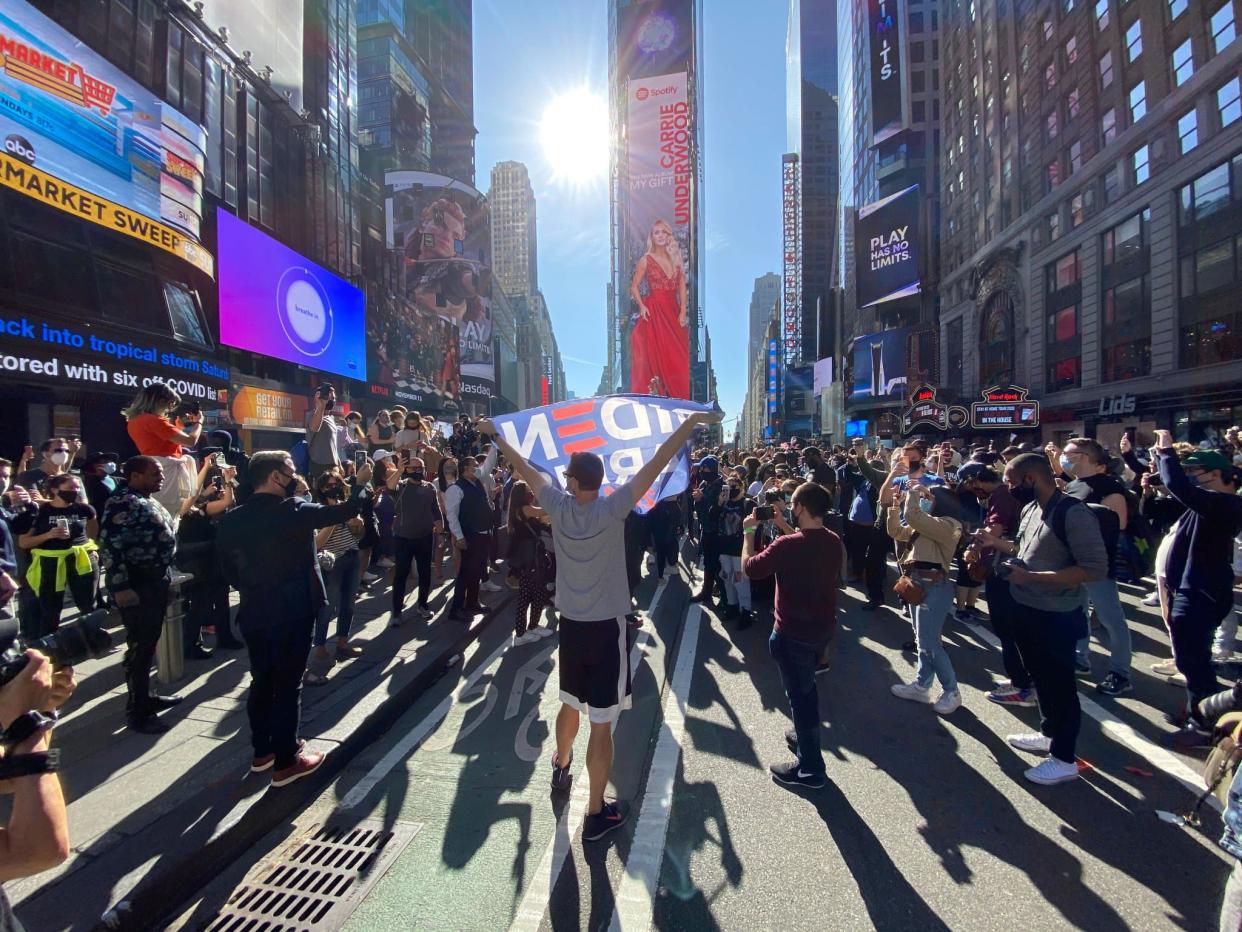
x=1192, y=416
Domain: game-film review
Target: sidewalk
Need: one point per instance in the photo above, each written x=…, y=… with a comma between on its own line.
x=154, y=817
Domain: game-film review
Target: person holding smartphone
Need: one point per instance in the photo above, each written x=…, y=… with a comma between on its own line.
x=322, y=433
x=60, y=536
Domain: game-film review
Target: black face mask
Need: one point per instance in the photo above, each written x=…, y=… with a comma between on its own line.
x=1025, y=494
x=416, y=475
x=916, y=466
x=291, y=487
x=67, y=497
x=334, y=492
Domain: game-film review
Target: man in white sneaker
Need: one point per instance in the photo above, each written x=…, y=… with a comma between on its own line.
x=1059, y=547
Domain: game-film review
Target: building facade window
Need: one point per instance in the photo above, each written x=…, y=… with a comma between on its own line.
x=1183, y=63
x=1101, y=15
x=1138, y=102
x=1141, y=164
x=1075, y=157
x=1063, y=340
x=1229, y=102
x=1072, y=105
x=1078, y=210
x=1108, y=124
x=1071, y=50
x=1188, y=131
x=1134, y=41
x=996, y=341
x=1177, y=8
x=1106, y=70
x=1223, y=27
x=1210, y=266
x=954, y=356
x=1112, y=184
x=1125, y=334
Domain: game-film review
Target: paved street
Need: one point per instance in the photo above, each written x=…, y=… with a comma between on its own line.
x=926, y=823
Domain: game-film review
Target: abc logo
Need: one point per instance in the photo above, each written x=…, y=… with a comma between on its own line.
x=20, y=147
x=642, y=94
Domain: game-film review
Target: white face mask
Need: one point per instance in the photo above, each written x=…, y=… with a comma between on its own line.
x=60, y=457
x=109, y=469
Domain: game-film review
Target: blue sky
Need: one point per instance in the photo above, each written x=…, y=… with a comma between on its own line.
x=527, y=53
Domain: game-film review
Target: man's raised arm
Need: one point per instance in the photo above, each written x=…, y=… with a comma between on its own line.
x=530, y=475
x=668, y=449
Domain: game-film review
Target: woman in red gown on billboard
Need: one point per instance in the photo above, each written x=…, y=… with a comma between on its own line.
x=660, y=339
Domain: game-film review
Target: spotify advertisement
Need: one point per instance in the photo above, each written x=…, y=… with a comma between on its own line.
x=277, y=302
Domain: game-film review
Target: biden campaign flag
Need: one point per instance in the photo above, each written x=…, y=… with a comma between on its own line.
x=623, y=430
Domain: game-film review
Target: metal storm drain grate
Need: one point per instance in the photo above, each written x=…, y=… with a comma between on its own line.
x=318, y=881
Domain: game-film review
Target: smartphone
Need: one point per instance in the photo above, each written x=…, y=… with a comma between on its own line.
x=218, y=482
x=765, y=512
x=360, y=458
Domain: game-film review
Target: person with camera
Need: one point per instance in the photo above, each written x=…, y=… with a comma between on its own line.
x=138, y=541
x=152, y=425
x=268, y=553
x=36, y=837
x=55, y=458
x=60, y=536
x=207, y=592
x=706, y=496
x=468, y=509
x=1058, y=548
x=417, y=520
x=728, y=514
x=322, y=434
x=806, y=561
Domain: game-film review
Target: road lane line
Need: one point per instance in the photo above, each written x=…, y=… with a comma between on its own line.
x=418, y=734
x=1113, y=727
x=636, y=897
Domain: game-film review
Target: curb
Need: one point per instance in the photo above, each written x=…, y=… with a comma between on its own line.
x=166, y=890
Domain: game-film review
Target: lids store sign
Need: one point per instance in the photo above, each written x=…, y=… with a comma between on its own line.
x=1117, y=405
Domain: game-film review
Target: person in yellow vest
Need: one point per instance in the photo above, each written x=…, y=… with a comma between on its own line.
x=60, y=537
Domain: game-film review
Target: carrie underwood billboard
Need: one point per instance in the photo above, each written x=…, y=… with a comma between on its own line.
x=659, y=223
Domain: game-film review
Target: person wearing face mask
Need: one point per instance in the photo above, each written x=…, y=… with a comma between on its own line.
x=468, y=511
x=56, y=455
x=728, y=515
x=137, y=539
x=380, y=433
x=446, y=475
x=1198, y=569
x=322, y=433
x=1086, y=463
x=930, y=524
x=1058, y=548
x=413, y=435
x=60, y=537
x=806, y=561
x=99, y=479
x=705, y=497
x=341, y=580
x=267, y=551
x=417, y=520
x=207, y=593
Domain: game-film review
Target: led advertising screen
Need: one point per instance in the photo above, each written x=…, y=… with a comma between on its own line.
x=659, y=225
x=886, y=248
x=414, y=352
x=277, y=302
x=442, y=228
x=656, y=37
x=889, y=99
x=880, y=364
x=116, y=155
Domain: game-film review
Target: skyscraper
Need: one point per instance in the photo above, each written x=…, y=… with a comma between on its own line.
x=515, y=254
x=763, y=301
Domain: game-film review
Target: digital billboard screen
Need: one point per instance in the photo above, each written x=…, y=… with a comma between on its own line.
x=886, y=248
x=656, y=37
x=442, y=229
x=277, y=302
x=68, y=113
x=880, y=364
x=889, y=98
x=659, y=229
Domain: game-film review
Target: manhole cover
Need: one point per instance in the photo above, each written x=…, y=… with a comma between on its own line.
x=317, y=883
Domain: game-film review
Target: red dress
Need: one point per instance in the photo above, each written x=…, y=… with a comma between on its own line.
x=660, y=345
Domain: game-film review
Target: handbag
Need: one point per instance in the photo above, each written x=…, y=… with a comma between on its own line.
x=909, y=591
x=977, y=568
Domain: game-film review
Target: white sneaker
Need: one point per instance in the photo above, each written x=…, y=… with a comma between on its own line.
x=912, y=691
x=530, y=637
x=1164, y=668
x=368, y=577
x=1052, y=771
x=489, y=586
x=1222, y=656
x=950, y=701
x=1151, y=600
x=1035, y=744
x=383, y=563
x=543, y=632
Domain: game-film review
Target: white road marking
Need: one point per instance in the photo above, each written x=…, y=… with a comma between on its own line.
x=636, y=896
x=416, y=735
x=1113, y=727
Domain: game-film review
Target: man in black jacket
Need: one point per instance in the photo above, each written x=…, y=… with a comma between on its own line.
x=267, y=550
x=416, y=521
x=1199, y=569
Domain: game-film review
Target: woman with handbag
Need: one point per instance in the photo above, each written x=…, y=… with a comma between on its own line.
x=339, y=561
x=931, y=531
x=527, y=522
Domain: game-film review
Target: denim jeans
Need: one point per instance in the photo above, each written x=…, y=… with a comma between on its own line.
x=342, y=585
x=737, y=586
x=929, y=618
x=797, y=661
x=1107, y=603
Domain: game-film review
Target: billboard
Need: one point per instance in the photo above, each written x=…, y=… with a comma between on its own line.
x=659, y=226
x=880, y=364
x=886, y=248
x=791, y=241
x=442, y=228
x=774, y=359
x=890, y=100
x=823, y=375
x=82, y=136
x=655, y=37
x=412, y=354
x=277, y=302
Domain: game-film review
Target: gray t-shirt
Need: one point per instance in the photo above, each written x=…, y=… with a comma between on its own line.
x=1040, y=549
x=591, y=583
x=321, y=444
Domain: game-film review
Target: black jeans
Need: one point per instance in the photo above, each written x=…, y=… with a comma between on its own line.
x=52, y=603
x=208, y=605
x=278, y=650
x=144, y=623
x=1004, y=612
x=1194, y=617
x=797, y=661
x=874, y=547
x=473, y=570
x=1046, y=642
x=711, y=562
x=407, y=550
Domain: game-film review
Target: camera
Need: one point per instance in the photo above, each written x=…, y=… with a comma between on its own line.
x=765, y=512
x=773, y=496
x=325, y=390
x=67, y=646
x=1003, y=566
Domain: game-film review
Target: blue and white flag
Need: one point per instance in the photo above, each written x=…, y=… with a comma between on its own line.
x=623, y=430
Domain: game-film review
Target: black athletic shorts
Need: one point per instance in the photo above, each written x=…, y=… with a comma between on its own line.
x=594, y=662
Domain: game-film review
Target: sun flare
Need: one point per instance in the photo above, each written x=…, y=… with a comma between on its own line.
x=574, y=132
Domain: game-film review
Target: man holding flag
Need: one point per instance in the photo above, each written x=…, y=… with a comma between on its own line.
x=593, y=599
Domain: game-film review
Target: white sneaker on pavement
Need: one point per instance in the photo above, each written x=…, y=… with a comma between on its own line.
x=489, y=586
x=1052, y=771
x=949, y=702
x=1034, y=743
x=1151, y=600
x=1164, y=668
x=1222, y=656
x=912, y=691
x=530, y=637
x=543, y=632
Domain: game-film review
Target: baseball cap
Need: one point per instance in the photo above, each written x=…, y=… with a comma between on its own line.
x=1208, y=459
x=381, y=455
x=100, y=458
x=977, y=471
x=709, y=462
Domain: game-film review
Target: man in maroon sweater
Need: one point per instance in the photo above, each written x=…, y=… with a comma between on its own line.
x=807, y=565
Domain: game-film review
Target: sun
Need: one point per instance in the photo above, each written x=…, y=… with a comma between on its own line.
x=574, y=133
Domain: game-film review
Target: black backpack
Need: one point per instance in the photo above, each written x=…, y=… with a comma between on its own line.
x=1110, y=527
